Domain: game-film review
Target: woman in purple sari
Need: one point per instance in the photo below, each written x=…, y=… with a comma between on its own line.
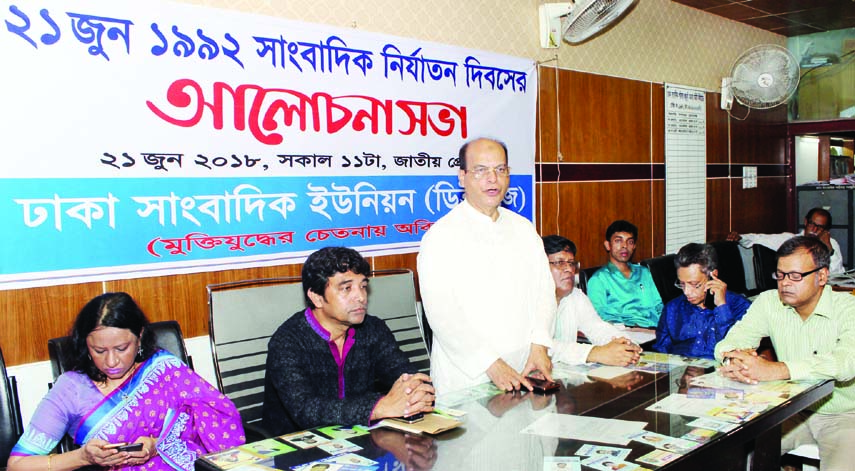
x=120, y=389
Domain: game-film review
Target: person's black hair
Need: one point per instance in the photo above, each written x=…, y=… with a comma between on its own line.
x=108, y=310
x=700, y=254
x=461, y=154
x=555, y=243
x=621, y=226
x=326, y=263
x=815, y=247
x=821, y=212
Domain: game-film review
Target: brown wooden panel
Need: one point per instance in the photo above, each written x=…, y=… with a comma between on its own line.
x=603, y=119
x=717, y=124
x=582, y=211
x=718, y=208
x=34, y=315
x=762, y=209
x=761, y=138
x=546, y=118
x=657, y=125
x=184, y=298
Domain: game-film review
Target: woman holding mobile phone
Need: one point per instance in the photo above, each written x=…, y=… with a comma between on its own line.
x=126, y=403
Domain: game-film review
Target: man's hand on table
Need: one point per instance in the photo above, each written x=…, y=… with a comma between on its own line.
x=505, y=377
x=747, y=367
x=619, y=352
x=411, y=394
x=539, y=364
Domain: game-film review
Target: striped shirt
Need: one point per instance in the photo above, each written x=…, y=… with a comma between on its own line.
x=821, y=347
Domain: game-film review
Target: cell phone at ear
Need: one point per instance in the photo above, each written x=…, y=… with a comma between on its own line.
x=542, y=386
x=709, y=300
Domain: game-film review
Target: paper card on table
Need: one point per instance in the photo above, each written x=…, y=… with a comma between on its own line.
x=561, y=463
x=260, y=466
x=351, y=459
x=608, y=372
x=597, y=450
x=712, y=424
x=732, y=413
x=431, y=424
x=700, y=435
x=270, y=447
x=659, y=457
x=230, y=458
x=588, y=429
x=702, y=392
x=609, y=463
x=337, y=447
x=340, y=431
x=304, y=439
x=664, y=442
x=330, y=467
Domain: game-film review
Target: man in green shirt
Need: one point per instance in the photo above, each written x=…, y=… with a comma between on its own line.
x=812, y=329
x=623, y=292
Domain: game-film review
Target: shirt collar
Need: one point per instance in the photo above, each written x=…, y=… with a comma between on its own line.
x=478, y=214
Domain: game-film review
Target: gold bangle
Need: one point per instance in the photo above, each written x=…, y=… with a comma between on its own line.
x=49, y=459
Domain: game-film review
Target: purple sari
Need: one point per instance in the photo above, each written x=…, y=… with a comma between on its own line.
x=163, y=399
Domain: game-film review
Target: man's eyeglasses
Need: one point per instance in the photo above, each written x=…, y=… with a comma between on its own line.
x=481, y=171
x=695, y=286
x=563, y=264
x=793, y=275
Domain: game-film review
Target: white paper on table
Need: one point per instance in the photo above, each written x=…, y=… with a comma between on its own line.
x=609, y=372
x=589, y=429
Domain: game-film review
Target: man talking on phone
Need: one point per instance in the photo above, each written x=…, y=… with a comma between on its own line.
x=694, y=322
x=333, y=363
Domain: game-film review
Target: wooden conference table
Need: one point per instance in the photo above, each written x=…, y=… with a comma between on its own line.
x=491, y=439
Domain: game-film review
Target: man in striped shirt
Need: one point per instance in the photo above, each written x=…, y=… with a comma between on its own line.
x=812, y=330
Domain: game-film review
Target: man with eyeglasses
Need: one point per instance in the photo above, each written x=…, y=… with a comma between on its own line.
x=576, y=313
x=812, y=330
x=694, y=322
x=817, y=224
x=485, y=283
x=624, y=292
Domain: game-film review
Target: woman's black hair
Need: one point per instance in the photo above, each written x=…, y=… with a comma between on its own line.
x=108, y=310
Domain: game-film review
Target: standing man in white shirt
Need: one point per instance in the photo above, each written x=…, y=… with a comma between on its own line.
x=485, y=283
x=576, y=313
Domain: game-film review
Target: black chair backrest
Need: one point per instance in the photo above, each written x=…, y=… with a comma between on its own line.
x=585, y=274
x=765, y=263
x=664, y=275
x=169, y=338
x=11, y=427
x=730, y=267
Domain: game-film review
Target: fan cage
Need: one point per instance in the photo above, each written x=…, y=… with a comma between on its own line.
x=764, y=76
x=588, y=19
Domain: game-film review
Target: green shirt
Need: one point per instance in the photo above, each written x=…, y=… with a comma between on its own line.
x=821, y=347
x=632, y=301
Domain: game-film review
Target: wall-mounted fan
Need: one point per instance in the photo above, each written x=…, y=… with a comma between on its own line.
x=762, y=77
x=577, y=21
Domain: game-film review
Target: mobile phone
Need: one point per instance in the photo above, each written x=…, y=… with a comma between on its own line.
x=709, y=300
x=124, y=446
x=542, y=386
x=413, y=418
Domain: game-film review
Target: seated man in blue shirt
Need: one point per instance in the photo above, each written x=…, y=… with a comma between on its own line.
x=694, y=322
x=333, y=363
x=624, y=292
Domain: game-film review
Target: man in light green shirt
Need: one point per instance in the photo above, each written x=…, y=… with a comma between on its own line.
x=812, y=330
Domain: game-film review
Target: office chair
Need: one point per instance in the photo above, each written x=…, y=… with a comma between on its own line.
x=168, y=334
x=11, y=426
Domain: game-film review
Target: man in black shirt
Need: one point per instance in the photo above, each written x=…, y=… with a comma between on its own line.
x=334, y=364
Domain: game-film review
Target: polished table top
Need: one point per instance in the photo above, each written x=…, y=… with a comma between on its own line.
x=491, y=439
